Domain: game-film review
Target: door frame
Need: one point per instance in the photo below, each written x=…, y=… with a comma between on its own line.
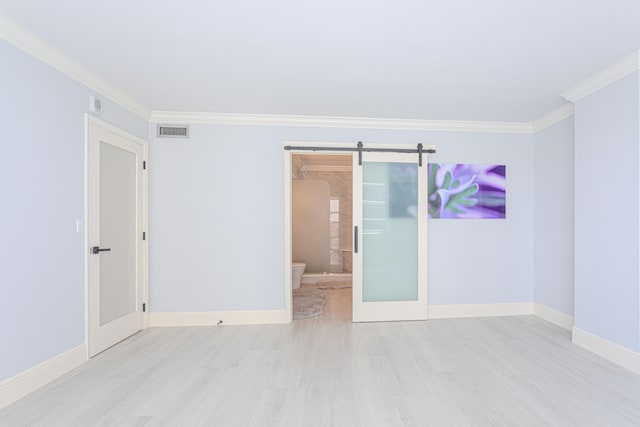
x=92, y=120
x=288, y=229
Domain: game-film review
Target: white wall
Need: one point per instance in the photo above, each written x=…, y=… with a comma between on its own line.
x=485, y=261
x=217, y=218
x=42, y=288
x=607, y=298
x=553, y=163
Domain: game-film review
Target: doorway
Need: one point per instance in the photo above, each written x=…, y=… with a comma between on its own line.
x=389, y=232
x=322, y=235
x=116, y=235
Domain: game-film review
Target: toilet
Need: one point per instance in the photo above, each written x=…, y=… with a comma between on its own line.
x=297, y=269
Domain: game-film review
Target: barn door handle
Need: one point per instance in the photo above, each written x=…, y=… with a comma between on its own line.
x=97, y=250
x=355, y=239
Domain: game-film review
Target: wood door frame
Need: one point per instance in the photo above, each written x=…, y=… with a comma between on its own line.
x=92, y=120
x=288, y=228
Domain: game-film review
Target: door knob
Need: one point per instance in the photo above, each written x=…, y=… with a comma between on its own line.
x=97, y=250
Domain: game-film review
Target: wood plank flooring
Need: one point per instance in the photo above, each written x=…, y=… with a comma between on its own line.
x=326, y=371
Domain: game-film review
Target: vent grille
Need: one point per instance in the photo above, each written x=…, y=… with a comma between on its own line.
x=165, y=131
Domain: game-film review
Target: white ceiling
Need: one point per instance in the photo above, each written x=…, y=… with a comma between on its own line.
x=496, y=60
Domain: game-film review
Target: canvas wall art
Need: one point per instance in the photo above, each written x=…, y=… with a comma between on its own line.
x=471, y=191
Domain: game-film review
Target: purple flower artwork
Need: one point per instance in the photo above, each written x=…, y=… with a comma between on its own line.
x=467, y=191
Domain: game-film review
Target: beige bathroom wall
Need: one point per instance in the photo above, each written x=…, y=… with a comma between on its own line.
x=341, y=187
x=310, y=224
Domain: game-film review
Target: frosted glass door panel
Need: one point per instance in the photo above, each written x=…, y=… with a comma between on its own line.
x=390, y=232
x=117, y=232
x=390, y=237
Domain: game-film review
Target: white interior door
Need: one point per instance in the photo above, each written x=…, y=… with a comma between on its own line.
x=115, y=222
x=390, y=237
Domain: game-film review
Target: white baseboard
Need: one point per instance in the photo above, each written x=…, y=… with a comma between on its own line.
x=556, y=317
x=479, y=310
x=212, y=318
x=25, y=382
x=613, y=352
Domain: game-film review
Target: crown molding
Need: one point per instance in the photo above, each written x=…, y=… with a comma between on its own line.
x=552, y=118
x=35, y=46
x=338, y=122
x=615, y=72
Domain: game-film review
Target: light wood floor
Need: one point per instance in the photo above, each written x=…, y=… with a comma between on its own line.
x=325, y=371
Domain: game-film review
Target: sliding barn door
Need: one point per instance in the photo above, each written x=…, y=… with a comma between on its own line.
x=390, y=237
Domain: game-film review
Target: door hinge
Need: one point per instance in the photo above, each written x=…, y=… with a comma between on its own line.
x=144, y=235
x=144, y=164
x=144, y=306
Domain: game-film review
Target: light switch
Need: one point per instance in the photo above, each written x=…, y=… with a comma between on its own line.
x=79, y=225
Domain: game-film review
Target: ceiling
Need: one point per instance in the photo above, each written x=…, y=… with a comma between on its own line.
x=495, y=60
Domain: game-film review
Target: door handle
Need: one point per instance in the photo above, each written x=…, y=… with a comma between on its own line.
x=355, y=239
x=97, y=250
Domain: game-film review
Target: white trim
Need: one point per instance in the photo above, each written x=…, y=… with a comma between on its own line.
x=212, y=318
x=28, y=381
x=611, y=351
x=145, y=243
x=338, y=122
x=288, y=235
x=552, y=118
x=35, y=46
x=556, y=317
x=116, y=130
x=480, y=310
x=611, y=74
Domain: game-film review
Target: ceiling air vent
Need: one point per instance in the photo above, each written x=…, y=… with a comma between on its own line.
x=165, y=131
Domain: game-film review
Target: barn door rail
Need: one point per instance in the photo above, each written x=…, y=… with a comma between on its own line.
x=360, y=148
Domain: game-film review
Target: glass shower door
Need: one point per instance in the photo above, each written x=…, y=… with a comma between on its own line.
x=390, y=226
